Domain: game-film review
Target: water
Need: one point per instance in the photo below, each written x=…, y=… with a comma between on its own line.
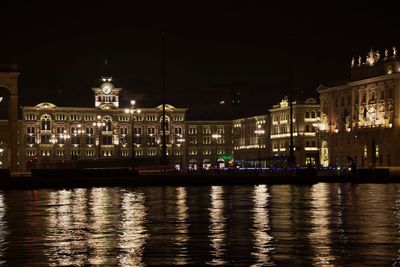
x=279, y=225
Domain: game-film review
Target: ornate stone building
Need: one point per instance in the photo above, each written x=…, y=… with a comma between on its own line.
x=209, y=143
x=306, y=116
x=251, y=141
x=52, y=134
x=360, y=116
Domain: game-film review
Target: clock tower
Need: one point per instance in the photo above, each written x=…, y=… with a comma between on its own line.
x=106, y=96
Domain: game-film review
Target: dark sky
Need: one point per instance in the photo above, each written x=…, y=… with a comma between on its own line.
x=60, y=47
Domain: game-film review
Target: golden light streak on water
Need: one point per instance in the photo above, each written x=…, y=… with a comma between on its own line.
x=217, y=226
x=133, y=234
x=182, y=226
x=320, y=229
x=261, y=224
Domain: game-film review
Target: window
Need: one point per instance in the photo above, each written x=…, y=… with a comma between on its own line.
x=193, y=151
x=31, y=152
x=307, y=115
x=220, y=151
x=151, y=152
x=151, y=118
x=138, y=130
x=151, y=130
x=221, y=140
x=206, y=129
x=178, y=130
x=74, y=117
x=60, y=117
x=192, y=130
x=220, y=130
x=123, y=130
x=88, y=117
x=90, y=153
x=193, y=140
x=151, y=140
x=45, y=152
x=60, y=152
x=206, y=140
x=138, y=152
x=206, y=151
x=30, y=117
x=124, y=153
x=45, y=122
x=123, y=118
x=30, y=131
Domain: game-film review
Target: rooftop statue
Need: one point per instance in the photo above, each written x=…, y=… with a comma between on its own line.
x=386, y=53
x=394, y=51
x=359, y=60
x=352, y=62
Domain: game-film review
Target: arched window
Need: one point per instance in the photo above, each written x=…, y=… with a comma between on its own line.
x=108, y=123
x=307, y=115
x=45, y=121
x=167, y=122
x=313, y=114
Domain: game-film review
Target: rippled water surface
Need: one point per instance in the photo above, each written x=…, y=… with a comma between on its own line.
x=283, y=225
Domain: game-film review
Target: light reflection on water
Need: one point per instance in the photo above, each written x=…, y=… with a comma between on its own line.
x=217, y=226
x=283, y=225
x=320, y=230
x=133, y=232
x=262, y=240
x=3, y=228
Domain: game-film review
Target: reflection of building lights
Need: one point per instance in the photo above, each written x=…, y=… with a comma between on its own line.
x=336, y=130
x=348, y=129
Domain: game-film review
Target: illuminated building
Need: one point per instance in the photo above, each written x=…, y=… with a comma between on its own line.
x=250, y=147
x=208, y=143
x=53, y=134
x=360, y=116
x=306, y=116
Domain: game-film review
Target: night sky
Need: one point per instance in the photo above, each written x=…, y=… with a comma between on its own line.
x=61, y=48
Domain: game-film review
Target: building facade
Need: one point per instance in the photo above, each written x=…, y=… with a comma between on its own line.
x=52, y=134
x=360, y=116
x=306, y=118
x=209, y=144
x=251, y=141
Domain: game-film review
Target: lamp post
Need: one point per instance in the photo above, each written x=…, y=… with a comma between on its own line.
x=180, y=141
x=216, y=136
x=132, y=110
x=259, y=132
x=99, y=124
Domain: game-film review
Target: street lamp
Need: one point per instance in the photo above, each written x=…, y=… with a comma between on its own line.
x=132, y=110
x=216, y=136
x=259, y=132
x=180, y=141
x=99, y=124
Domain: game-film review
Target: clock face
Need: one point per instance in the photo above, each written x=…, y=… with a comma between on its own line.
x=106, y=89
